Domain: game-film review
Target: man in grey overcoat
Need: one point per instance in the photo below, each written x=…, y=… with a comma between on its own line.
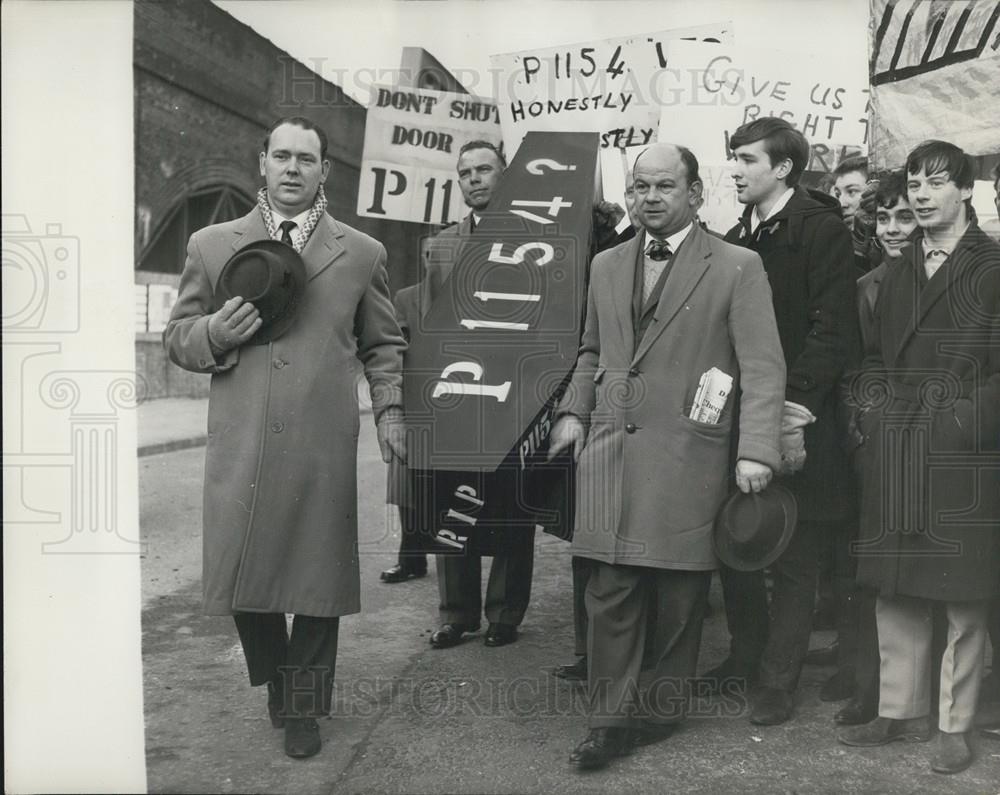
x=280, y=499
x=662, y=309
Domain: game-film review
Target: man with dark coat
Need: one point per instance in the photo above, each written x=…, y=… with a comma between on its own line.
x=280, y=499
x=663, y=310
x=508, y=591
x=808, y=258
x=930, y=517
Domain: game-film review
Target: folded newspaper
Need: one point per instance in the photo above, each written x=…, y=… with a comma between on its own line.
x=710, y=399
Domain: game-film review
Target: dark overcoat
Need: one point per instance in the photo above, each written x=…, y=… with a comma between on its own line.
x=650, y=480
x=280, y=499
x=930, y=402
x=809, y=261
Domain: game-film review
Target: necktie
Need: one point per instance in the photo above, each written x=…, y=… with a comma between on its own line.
x=286, y=231
x=657, y=254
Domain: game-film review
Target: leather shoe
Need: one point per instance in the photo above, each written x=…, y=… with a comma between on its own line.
x=651, y=733
x=736, y=675
x=838, y=687
x=276, y=705
x=601, y=746
x=886, y=730
x=451, y=635
x=825, y=655
x=772, y=706
x=951, y=753
x=500, y=634
x=855, y=712
x=401, y=573
x=574, y=672
x=301, y=737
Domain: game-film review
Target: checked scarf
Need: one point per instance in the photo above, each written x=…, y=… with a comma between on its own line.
x=315, y=214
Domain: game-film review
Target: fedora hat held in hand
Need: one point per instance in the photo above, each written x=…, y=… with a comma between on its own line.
x=752, y=530
x=270, y=275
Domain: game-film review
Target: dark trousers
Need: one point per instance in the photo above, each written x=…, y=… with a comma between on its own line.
x=582, y=567
x=618, y=598
x=774, y=642
x=508, y=590
x=411, y=551
x=302, y=666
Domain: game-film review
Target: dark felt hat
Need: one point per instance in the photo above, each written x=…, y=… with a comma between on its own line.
x=270, y=275
x=752, y=530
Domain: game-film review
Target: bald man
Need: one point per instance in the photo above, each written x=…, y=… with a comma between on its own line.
x=662, y=309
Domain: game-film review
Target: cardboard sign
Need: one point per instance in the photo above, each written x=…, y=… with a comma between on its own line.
x=610, y=87
x=412, y=140
x=497, y=347
x=935, y=73
x=713, y=89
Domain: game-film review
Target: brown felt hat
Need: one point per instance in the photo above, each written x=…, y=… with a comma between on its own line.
x=270, y=275
x=752, y=530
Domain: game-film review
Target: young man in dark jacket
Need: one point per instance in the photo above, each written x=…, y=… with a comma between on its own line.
x=930, y=511
x=807, y=254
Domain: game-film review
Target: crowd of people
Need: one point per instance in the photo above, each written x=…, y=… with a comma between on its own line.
x=860, y=326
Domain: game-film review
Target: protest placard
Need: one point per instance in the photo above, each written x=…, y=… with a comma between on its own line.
x=713, y=89
x=412, y=140
x=608, y=86
x=935, y=73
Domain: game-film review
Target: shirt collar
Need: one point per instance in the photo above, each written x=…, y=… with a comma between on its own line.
x=674, y=241
x=756, y=220
x=944, y=247
x=299, y=220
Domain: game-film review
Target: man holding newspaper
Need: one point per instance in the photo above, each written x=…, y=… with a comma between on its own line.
x=680, y=348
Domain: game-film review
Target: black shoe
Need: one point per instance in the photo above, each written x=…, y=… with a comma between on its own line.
x=855, y=712
x=500, y=634
x=401, y=573
x=301, y=737
x=652, y=733
x=574, y=672
x=772, y=706
x=838, y=687
x=732, y=675
x=601, y=746
x=825, y=655
x=451, y=635
x=276, y=705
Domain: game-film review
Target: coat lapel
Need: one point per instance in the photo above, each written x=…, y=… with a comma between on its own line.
x=688, y=267
x=249, y=230
x=323, y=246
x=622, y=285
x=962, y=258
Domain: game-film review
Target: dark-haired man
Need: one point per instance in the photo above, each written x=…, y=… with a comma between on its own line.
x=663, y=309
x=807, y=256
x=930, y=517
x=280, y=498
x=480, y=166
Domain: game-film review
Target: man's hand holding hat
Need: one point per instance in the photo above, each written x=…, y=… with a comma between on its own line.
x=233, y=325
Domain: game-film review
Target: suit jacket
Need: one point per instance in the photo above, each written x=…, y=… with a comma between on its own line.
x=930, y=512
x=440, y=253
x=280, y=502
x=651, y=480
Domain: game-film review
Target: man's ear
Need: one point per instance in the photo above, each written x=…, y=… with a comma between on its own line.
x=326, y=169
x=784, y=168
x=695, y=193
x=263, y=157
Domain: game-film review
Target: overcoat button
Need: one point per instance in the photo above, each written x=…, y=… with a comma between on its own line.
x=278, y=364
x=277, y=427
x=633, y=373
x=630, y=428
